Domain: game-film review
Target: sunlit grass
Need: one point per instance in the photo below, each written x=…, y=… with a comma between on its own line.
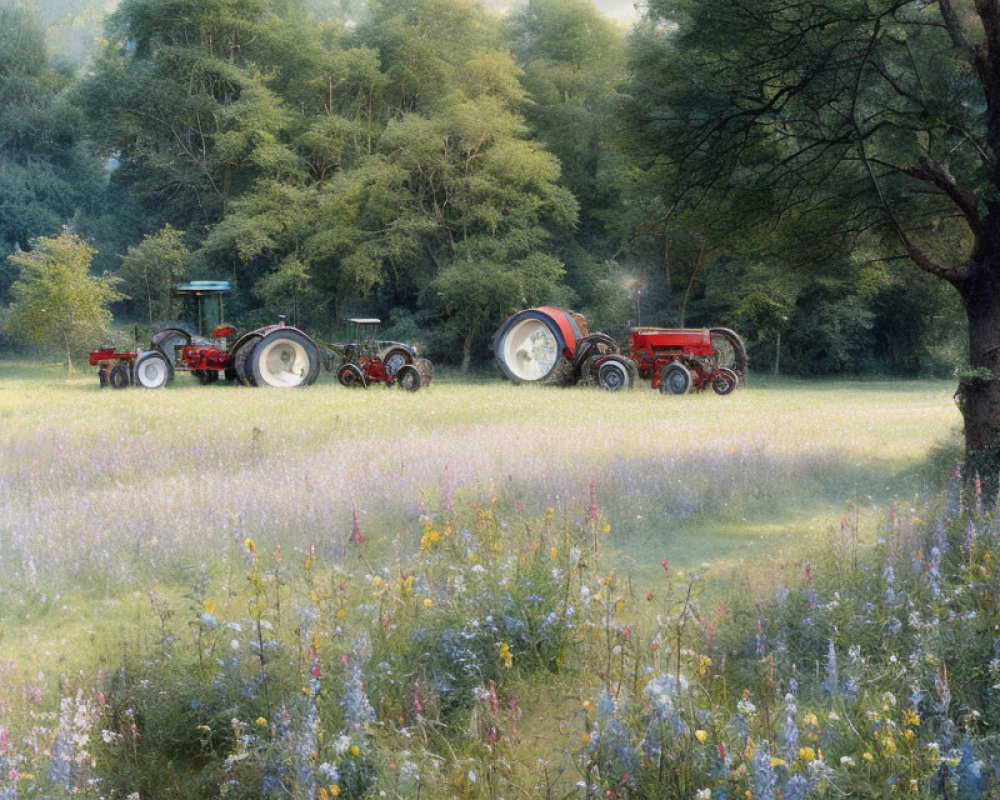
x=114, y=504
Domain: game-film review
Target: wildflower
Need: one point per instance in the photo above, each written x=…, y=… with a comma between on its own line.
x=867, y=756
x=554, y=552
x=846, y=761
x=778, y=762
x=260, y=722
x=428, y=602
x=356, y=532
x=355, y=750
x=429, y=538
x=911, y=717
x=701, y=736
x=703, y=664
x=506, y=656
x=807, y=754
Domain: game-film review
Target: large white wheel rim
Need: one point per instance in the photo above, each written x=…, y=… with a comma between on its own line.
x=282, y=363
x=530, y=350
x=152, y=373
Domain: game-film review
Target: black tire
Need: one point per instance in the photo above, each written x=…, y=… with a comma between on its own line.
x=724, y=381
x=730, y=352
x=285, y=358
x=168, y=340
x=351, y=376
x=120, y=376
x=614, y=375
x=153, y=370
x=394, y=358
x=242, y=352
x=207, y=376
x=675, y=378
x=408, y=378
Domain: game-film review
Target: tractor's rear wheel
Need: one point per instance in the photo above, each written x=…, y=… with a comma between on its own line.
x=724, y=381
x=675, y=378
x=730, y=352
x=241, y=358
x=408, y=378
x=168, y=340
x=614, y=375
x=153, y=370
x=395, y=358
x=284, y=359
x=120, y=376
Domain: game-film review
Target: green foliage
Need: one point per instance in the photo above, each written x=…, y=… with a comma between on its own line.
x=149, y=272
x=56, y=303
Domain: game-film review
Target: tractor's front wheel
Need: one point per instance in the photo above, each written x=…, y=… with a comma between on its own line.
x=284, y=359
x=351, y=376
x=408, y=378
x=614, y=375
x=153, y=370
x=724, y=381
x=675, y=378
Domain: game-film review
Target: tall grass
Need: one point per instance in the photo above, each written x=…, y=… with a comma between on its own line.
x=295, y=591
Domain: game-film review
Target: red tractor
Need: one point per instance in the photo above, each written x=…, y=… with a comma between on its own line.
x=276, y=355
x=550, y=345
x=369, y=360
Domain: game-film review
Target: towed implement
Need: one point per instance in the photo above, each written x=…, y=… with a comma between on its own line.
x=278, y=355
x=551, y=345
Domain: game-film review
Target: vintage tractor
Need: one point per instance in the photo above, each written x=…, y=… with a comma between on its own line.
x=550, y=345
x=368, y=360
x=276, y=355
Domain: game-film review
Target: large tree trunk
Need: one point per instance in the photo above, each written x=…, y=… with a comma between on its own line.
x=979, y=386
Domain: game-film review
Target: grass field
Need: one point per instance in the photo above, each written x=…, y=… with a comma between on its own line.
x=106, y=496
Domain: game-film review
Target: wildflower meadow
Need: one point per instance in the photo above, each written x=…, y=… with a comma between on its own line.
x=487, y=591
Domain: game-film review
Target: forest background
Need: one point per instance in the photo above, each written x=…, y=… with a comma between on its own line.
x=436, y=163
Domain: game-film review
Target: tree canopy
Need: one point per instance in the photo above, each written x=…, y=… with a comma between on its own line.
x=439, y=165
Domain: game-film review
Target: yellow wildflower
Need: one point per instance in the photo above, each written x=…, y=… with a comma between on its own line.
x=429, y=538
x=911, y=717
x=811, y=720
x=406, y=584
x=867, y=756
x=778, y=762
x=703, y=664
x=211, y=607
x=506, y=656
x=428, y=602
x=807, y=753
x=554, y=552
x=355, y=750
x=249, y=545
x=261, y=722
x=701, y=736
x=334, y=790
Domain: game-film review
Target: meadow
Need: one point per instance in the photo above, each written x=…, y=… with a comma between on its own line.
x=483, y=590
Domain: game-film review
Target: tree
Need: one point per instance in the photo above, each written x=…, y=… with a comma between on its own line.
x=180, y=96
x=149, y=271
x=829, y=126
x=46, y=177
x=57, y=303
